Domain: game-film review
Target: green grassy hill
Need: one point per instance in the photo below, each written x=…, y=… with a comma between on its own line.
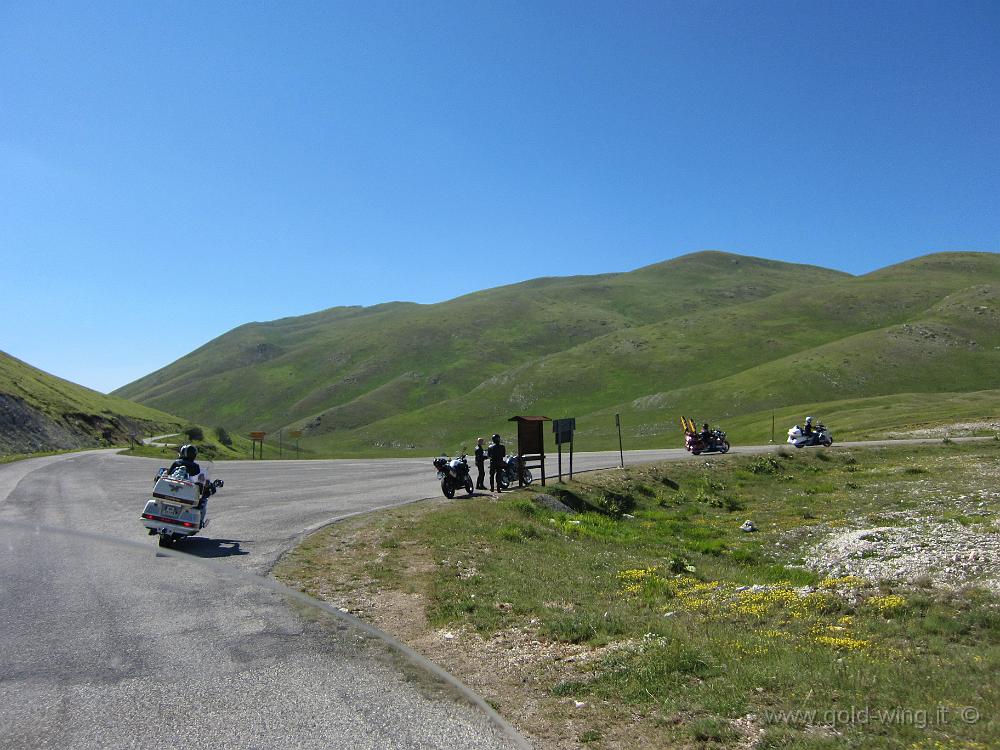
x=40, y=412
x=716, y=336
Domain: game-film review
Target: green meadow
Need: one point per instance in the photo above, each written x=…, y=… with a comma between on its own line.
x=649, y=619
x=719, y=337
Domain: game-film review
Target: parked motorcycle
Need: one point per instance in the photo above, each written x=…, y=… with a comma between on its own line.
x=179, y=506
x=513, y=468
x=454, y=474
x=820, y=436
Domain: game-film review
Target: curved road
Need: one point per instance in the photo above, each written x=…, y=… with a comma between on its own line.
x=105, y=641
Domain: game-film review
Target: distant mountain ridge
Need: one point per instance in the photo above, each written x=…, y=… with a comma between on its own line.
x=709, y=333
x=41, y=412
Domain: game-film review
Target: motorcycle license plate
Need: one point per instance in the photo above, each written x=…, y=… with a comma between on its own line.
x=171, y=510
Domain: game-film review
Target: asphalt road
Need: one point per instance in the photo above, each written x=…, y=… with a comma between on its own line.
x=105, y=641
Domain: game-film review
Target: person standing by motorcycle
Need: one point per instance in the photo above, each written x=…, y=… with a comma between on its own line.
x=496, y=453
x=480, y=464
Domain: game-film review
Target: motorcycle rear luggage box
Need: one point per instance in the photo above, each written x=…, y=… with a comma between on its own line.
x=176, y=490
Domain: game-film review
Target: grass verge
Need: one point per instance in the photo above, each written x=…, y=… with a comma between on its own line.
x=649, y=619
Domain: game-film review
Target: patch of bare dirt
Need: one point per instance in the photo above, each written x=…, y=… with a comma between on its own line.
x=514, y=669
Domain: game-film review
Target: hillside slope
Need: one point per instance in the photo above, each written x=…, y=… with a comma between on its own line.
x=709, y=334
x=40, y=412
x=347, y=367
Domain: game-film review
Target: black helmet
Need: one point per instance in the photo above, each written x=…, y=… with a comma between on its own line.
x=189, y=452
x=496, y=437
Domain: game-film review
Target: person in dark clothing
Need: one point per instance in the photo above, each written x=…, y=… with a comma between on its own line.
x=705, y=435
x=480, y=464
x=186, y=458
x=496, y=453
x=808, y=429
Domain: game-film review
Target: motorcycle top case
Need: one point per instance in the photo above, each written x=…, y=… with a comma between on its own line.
x=176, y=490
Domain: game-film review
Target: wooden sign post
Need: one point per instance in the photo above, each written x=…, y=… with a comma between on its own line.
x=255, y=439
x=621, y=451
x=530, y=444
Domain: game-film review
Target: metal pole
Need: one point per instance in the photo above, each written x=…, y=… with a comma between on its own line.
x=621, y=451
x=560, y=462
x=772, y=425
x=571, y=457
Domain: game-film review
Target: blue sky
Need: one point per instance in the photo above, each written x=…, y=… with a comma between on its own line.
x=169, y=171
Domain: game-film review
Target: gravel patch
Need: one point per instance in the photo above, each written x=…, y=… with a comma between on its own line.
x=947, y=554
x=958, y=429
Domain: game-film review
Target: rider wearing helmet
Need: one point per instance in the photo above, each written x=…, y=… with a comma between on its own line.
x=808, y=429
x=496, y=453
x=705, y=435
x=186, y=458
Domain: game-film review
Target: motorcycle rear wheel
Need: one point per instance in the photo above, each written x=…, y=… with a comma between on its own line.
x=468, y=486
x=502, y=482
x=447, y=488
x=526, y=476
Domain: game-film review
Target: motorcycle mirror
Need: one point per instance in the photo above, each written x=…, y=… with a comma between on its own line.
x=218, y=483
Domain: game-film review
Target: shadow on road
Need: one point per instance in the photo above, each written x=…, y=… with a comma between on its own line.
x=201, y=547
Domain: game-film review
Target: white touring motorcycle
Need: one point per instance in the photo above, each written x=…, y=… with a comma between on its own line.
x=178, y=507
x=820, y=436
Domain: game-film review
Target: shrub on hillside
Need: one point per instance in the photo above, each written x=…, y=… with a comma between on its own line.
x=223, y=435
x=616, y=503
x=194, y=432
x=763, y=465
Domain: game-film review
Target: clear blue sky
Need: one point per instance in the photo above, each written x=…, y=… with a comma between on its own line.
x=169, y=171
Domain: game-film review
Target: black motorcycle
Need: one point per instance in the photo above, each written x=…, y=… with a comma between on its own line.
x=513, y=468
x=454, y=474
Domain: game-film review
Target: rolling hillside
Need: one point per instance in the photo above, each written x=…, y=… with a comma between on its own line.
x=40, y=412
x=715, y=335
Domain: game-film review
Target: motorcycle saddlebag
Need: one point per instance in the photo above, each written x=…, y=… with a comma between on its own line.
x=176, y=490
